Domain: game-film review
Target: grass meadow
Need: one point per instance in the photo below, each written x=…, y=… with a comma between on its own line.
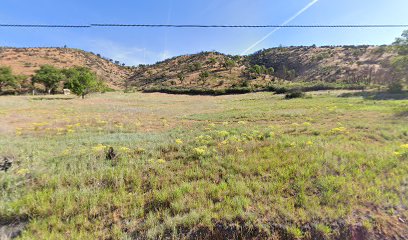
x=236, y=166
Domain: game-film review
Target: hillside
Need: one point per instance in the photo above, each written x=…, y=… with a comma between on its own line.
x=26, y=61
x=217, y=71
x=345, y=64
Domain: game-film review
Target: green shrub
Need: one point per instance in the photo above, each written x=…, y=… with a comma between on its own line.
x=395, y=87
x=295, y=94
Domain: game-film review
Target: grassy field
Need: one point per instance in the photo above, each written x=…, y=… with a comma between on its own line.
x=238, y=166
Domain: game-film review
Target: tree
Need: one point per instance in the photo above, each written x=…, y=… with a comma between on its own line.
x=229, y=64
x=401, y=43
x=82, y=81
x=203, y=76
x=195, y=66
x=181, y=76
x=212, y=61
x=7, y=79
x=49, y=76
x=399, y=63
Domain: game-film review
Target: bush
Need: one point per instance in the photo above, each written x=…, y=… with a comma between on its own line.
x=395, y=87
x=198, y=91
x=295, y=94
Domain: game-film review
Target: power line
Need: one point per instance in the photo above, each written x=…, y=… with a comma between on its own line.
x=250, y=26
x=109, y=25
x=43, y=26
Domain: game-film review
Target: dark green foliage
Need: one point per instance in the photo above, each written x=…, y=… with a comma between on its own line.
x=49, y=76
x=199, y=91
x=395, y=87
x=295, y=94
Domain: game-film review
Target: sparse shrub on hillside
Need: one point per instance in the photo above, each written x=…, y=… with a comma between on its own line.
x=49, y=76
x=212, y=61
x=289, y=73
x=319, y=57
x=181, y=76
x=203, y=76
x=245, y=83
x=257, y=70
x=195, y=66
x=229, y=64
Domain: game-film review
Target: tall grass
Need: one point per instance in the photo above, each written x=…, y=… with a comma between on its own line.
x=237, y=166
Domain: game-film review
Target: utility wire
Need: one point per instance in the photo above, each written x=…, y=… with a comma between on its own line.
x=109, y=25
x=43, y=26
x=250, y=26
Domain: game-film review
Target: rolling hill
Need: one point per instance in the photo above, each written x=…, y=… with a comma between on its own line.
x=213, y=70
x=26, y=60
x=346, y=64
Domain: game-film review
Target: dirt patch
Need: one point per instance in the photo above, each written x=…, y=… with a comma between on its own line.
x=12, y=230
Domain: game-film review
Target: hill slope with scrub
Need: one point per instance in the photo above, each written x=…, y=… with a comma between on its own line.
x=25, y=61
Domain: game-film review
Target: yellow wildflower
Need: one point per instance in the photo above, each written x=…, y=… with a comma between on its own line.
x=161, y=161
x=338, y=130
x=179, y=141
x=396, y=153
x=124, y=149
x=200, y=150
x=66, y=152
x=307, y=124
x=140, y=150
x=404, y=146
x=239, y=150
x=23, y=171
x=309, y=143
x=223, y=133
x=99, y=147
x=225, y=142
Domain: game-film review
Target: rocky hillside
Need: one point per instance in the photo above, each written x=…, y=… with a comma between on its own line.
x=26, y=60
x=345, y=64
x=328, y=64
x=213, y=70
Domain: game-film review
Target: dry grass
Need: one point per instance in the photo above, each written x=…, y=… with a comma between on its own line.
x=246, y=166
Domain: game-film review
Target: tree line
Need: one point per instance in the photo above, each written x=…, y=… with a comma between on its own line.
x=80, y=80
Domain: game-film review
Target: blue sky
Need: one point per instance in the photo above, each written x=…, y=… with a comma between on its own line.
x=134, y=46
